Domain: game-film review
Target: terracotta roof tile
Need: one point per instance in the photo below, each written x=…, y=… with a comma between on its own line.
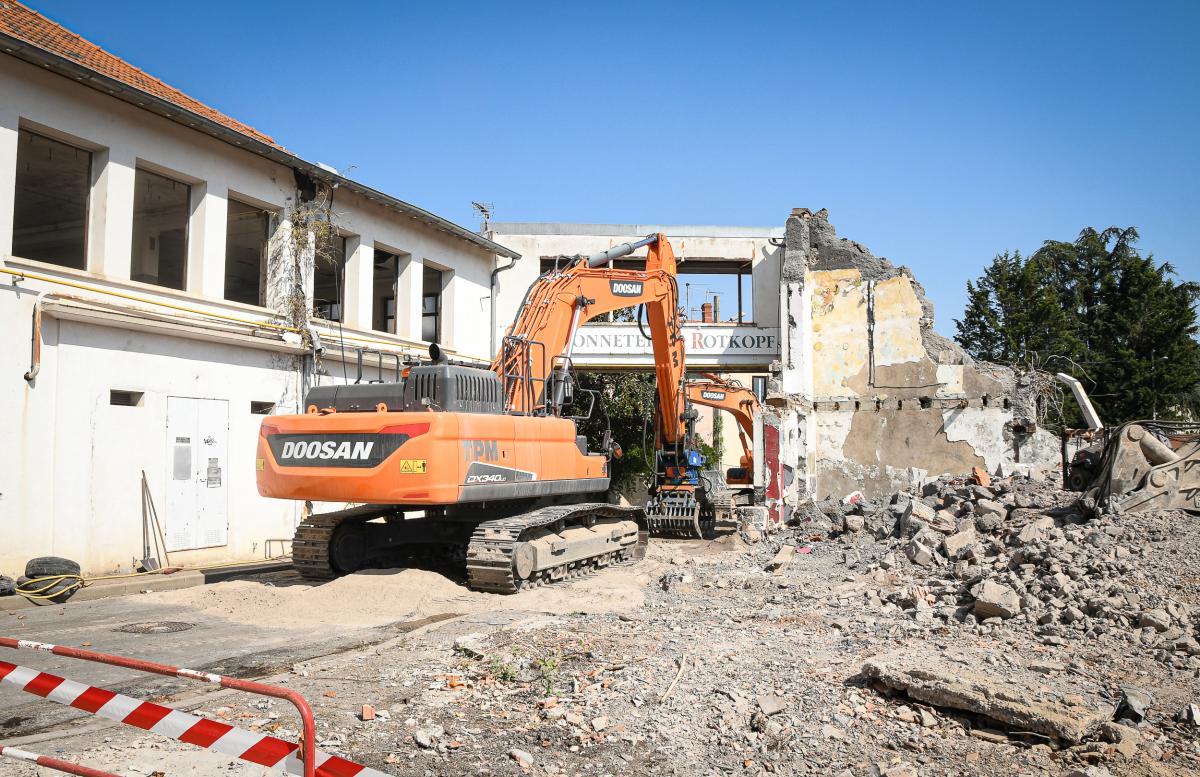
x=30, y=26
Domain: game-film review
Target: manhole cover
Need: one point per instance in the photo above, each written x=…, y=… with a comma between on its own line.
x=155, y=627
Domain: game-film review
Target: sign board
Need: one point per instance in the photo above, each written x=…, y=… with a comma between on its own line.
x=707, y=345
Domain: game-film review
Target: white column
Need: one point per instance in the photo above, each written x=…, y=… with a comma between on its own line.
x=449, y=307
x=359, y=280
x=206, y=239
x=8, y=178
x=408, y=297
x=110, y=219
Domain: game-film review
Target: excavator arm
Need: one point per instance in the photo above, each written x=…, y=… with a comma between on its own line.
x=534, y=361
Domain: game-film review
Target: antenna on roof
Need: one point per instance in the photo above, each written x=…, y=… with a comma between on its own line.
x=485, y=210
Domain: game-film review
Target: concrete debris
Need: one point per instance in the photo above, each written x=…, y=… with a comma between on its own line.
x=918, y=553
x=993, y=600
x=1134, y=703
x=963, y=629
x=952, y=680
x=771, y=704
x=520, y=756
x=782, y=558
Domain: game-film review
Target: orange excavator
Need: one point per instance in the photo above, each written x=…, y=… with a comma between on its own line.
x=483, y=465
x=687, y=500
x=723, y=394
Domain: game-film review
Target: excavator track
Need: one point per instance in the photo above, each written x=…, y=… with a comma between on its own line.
x=491, y=562
x=313, y=540
x=489, y=550
x=310, y=546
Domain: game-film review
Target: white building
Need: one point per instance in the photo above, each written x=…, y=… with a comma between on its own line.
x=155, y=237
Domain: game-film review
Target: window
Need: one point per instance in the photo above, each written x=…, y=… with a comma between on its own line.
x=728, y=288
x=383, y=295
x=431, y=305
x=246, y=233
x=261, y=408
x=51, y=209
x=125, y=398
x=329, y=281
x=160, y=219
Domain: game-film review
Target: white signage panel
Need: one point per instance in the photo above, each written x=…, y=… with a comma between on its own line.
x=707, y=345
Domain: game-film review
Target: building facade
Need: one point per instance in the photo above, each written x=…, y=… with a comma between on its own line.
x=183, y=275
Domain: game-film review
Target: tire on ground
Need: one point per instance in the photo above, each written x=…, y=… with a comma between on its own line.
x=52, y=590
x=50, y=566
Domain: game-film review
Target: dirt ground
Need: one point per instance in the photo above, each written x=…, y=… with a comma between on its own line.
x=698, y=660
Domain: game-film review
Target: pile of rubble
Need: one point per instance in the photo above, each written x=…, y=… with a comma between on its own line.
x=1024, y=554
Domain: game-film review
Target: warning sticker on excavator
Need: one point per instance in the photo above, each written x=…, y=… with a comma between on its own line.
x=412, y=466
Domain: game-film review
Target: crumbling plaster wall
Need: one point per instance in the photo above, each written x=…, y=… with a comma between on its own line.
x=882, y=400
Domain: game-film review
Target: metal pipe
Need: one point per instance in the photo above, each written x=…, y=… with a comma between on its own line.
x=495, y=273
x=35, y=347
x=616, y=252
x=121, y=295
x=56, y=764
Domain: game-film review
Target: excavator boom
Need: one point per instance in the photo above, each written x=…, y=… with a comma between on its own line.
x=534, y=362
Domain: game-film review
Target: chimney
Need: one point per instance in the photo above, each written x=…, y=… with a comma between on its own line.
x=706, y=313
x=717, y=308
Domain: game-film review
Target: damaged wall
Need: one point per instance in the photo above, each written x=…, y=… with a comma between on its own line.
x=883, y=400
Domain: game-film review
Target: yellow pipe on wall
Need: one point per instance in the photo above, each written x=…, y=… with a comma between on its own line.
x=96, y=290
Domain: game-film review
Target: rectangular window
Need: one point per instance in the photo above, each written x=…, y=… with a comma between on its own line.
x=329, y=279
x=125, y=398
x=247, y=230
x=431, y=306
x=160, y=225
x=261, y=408
x=51, y=209
x=723, y=292
x=383, y=296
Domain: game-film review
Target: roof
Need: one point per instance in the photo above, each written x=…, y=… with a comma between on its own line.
x=30, y=36
x=30, y=26
x=625, y=230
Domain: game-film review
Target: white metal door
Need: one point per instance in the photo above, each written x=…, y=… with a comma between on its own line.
x=197, y=439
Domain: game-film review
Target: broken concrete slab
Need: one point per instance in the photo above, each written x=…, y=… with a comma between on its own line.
x=1020, y=699
x=782, y=559
x=995, y=600
x=955, y=544
x=919, y=553
x=771, y=704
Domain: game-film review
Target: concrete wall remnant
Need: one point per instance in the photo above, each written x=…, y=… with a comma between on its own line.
x=884, y=400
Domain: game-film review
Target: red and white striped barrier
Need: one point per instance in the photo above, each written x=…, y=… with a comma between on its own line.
x=220, y=737
x=53, y=763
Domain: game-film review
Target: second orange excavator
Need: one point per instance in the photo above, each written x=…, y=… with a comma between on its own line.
x=480, y=465
x=724, y=394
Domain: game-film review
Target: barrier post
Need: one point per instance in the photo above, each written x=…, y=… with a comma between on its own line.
x=307, y=741
x=53, y=763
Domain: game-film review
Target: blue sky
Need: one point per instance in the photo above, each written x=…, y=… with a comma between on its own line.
x=937, y=134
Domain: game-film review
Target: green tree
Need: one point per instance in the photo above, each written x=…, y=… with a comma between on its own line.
x=1097, y=308
x=625, y=405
